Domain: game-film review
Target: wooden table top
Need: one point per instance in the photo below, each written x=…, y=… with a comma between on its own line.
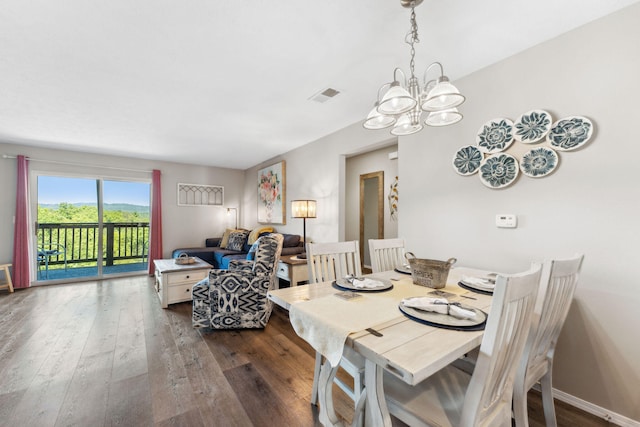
x=169, y=265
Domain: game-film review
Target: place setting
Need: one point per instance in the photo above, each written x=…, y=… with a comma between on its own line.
x=362, y=284
x=403, y=269
x=480, y=285
x=439, y=312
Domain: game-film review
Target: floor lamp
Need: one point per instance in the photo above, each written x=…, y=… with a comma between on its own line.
x=235, y=213
x=303, y=209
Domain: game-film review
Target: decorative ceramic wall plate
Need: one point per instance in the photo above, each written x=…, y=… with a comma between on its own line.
x=532, y=126
x=539, y=162
x=467, y=160
x=499, y=170
x=494, y=136
x=570, y=133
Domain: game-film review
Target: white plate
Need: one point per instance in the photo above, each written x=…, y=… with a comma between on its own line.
x=467, y=160
x=404, y=269
x=344, y=284
x=570, y=133
x=539, y=162
x=476, y=288
x=532, y=126
x=499, y=170
x=494, y=136
x=444, y=320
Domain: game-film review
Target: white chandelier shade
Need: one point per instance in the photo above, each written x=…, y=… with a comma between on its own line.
x=375, y=120
x=444, y=117
x=444, y=95
x=397, y=100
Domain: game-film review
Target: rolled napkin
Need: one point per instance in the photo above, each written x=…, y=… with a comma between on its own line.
x=366, y=283
x=479, y=282
x=439, y=305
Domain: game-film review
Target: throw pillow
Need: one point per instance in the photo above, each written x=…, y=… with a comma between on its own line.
x=256, y=232
x=225, y=237
x=237, y=240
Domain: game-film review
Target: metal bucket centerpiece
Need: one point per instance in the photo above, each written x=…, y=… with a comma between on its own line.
x=429, y=272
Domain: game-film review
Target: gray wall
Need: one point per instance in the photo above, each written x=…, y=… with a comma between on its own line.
x=182, y=225
x=589, y=204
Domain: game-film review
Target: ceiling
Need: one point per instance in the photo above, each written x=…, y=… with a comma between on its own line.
x=226, y=83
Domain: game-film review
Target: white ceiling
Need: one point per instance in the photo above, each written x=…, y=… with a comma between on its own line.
x=227, y=83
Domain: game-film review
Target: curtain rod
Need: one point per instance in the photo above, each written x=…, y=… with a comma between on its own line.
x=6, y=156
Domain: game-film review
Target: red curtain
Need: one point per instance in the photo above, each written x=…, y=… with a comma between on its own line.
x=155, y=243
x=21, y=230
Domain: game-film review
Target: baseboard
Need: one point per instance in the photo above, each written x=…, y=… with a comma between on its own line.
x=593, y=409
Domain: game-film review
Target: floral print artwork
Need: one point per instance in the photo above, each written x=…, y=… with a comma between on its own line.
x=539, y=162
x=499, y=170
x=271, y=194
x=467, y=160
x=532, y=126
x=495, y=136
x=570, y=133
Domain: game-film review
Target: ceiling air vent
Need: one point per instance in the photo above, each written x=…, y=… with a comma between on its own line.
x=325, y=95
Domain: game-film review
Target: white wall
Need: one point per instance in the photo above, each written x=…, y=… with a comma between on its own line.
x=589, y=204
x=182, y=226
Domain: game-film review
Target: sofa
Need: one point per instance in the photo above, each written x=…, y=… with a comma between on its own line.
x=219, y=257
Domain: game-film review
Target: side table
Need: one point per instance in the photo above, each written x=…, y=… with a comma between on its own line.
x=293, y=269
x=7, y=284
x=174, y=281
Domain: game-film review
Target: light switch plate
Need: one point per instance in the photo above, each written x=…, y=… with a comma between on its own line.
x=506, y=221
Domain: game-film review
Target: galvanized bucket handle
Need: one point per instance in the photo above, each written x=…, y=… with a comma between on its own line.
x=410, y=255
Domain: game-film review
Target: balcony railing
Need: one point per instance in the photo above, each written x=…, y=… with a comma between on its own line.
x=121, y=242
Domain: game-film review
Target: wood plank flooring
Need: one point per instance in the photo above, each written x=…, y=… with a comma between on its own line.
x=106, y=354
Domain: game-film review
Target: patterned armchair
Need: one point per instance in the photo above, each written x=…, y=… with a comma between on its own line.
x=237, y=298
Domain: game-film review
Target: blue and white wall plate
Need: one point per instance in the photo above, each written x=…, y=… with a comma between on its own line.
x=539, y=162
x=467, y=160
x=532, y=126
x=499, y=170
x=494, y=136
x=570, y=133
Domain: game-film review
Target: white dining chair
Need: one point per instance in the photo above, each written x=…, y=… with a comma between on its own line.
x=386, y=254
x=328, y=262
x=549, y=316
x=452, y=397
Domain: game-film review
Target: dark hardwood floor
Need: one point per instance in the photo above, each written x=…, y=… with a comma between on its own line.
x=106, y=354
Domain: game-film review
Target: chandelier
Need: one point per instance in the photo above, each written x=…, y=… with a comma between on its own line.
x=404, y=101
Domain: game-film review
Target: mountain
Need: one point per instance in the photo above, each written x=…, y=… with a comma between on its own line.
x=124, y=207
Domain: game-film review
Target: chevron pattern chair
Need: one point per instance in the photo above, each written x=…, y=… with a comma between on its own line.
x=237, y=298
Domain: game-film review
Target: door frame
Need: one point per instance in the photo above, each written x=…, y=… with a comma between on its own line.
x=379, y=176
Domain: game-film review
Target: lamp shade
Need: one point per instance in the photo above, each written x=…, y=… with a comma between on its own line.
x=303, y=209
x=444, y=117
x=406, y=126
x=396, y=100
x=444, y=95
x=375, y=120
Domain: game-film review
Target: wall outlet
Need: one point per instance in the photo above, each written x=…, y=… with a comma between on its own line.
x=506, y=221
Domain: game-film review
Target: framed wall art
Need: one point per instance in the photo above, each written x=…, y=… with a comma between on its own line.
x=271, y=194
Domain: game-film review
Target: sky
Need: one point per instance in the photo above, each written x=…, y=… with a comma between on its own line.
x=54, y=189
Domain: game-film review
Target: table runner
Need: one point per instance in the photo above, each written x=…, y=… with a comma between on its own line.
x=326, y=322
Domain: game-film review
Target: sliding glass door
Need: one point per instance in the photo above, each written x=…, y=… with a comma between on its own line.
x=90, y=227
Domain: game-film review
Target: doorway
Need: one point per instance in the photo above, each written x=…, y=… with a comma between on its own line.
x=371, y=213
x=90, y=227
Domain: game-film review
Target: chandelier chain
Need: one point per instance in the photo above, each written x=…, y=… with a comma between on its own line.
x=412, y=39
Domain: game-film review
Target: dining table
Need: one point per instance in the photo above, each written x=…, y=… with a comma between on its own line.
x=371, y=324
